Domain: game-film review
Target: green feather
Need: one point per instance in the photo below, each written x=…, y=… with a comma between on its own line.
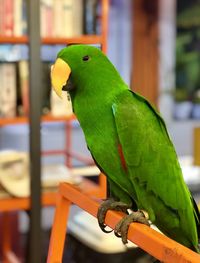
x=154, y=168
x=110, y=114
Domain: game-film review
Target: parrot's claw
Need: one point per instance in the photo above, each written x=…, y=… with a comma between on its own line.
x=103, y=228
x=109, y=204
x=121, y=229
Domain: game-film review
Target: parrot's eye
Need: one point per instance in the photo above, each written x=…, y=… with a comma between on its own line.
x=86, y=58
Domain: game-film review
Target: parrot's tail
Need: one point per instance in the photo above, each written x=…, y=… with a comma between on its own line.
x=197, y=216
x=197, y=219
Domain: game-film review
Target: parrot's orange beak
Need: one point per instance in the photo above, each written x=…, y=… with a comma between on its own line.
x=60, y=73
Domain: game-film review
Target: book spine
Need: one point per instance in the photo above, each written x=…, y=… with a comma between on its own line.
x=67, y=17
x=77, y=16
x=8, y=26
x=24, y=85
x=23, y=19
x=49, y=18
x=1, y=17
x=1, y=88
x=8, y=90
x=18, y=7
x=46, y=18
x=43, y=19
x=90, y=15
x=58, y=18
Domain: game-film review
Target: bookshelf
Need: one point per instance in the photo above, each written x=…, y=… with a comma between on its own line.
x=10, y=204
x=100, y=39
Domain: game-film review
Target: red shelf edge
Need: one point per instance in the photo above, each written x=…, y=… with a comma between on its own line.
x=24, y=120
x=84, y=39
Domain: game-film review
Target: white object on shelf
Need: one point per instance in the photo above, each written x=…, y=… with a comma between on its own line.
x=52, y=175
x=14, y=173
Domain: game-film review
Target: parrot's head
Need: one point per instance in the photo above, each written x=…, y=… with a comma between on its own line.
x=81, y=69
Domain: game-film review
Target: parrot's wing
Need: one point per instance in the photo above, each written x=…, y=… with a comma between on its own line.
x=149, y=153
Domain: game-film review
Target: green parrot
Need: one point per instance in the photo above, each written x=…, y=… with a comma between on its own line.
x=130, y=144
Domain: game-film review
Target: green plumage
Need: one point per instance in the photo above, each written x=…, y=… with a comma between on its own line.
x=146, y=171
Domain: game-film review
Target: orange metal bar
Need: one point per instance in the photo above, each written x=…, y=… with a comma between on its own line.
x=11, y=203
x=153, y=242
x=48, y=198
x=103, y=185
x=59, y=231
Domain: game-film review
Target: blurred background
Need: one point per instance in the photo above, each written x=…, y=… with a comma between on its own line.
x=155, y=45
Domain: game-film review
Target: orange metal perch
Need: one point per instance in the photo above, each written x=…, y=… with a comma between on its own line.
x=153, y=242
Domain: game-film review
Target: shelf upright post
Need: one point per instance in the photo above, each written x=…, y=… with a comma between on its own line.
x=34, y=248
x=105, y=4
x=104, y=24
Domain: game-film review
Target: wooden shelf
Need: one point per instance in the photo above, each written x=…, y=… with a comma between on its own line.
x=24, y=120
x=13, y=40
x=83, y=39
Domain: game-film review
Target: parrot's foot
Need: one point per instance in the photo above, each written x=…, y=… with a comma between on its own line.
x=121, y=229
x=110, y=204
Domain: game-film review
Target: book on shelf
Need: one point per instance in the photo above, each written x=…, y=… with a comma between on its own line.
x=46, y=18
x=46, y=89
x=17, y=18
x=68, y=18
x=77, y=17
x=8, y=90
x=13, y=17
x=1, y=17
x=90, y=16
x=14, y=88
x=59, y=18
x=8, y=18
x=23, y=88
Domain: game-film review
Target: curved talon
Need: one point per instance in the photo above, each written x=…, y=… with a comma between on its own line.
x=109, y=204
x=117, y=229
x=103, y=228
x=117, y=234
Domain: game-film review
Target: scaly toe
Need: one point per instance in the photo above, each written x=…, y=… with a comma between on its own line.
x=101, y=214
x=109, y=204
x=121, y=229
